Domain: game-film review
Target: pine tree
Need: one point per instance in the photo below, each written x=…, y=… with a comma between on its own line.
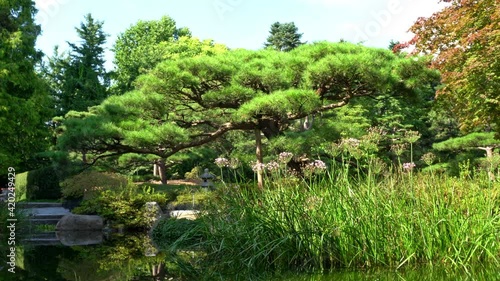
x=79, y=79
x=284, y=37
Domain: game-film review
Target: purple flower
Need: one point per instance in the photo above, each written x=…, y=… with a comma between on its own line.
x=409, y=166
x=257, y=167
x=221, y=162
x=317, y=166
x=272, y=166
x=285, y=157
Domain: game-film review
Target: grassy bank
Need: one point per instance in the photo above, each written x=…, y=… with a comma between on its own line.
x=393, y=219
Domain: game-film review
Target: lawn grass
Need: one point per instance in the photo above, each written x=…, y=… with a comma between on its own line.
x=182, y=196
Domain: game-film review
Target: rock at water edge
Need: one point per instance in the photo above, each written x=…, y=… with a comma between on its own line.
x=80, y=222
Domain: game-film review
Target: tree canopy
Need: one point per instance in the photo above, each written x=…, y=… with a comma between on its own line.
x=484, y=141
x=24, y=102
x=142, y=46
x=283, y=37
x=79, y=79
x=464, y=38
x=192, y=101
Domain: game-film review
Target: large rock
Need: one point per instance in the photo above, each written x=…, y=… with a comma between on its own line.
x=80, y=222
x=78, y=238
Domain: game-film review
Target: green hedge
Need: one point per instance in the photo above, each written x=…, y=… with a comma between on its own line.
x=38, y=185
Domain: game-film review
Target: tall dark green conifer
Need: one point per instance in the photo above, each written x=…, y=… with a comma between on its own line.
x=24, y=100
x=79, y=79
x=284, y=37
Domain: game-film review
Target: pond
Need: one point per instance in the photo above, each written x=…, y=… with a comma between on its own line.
x=423, y=273
x=132, y=257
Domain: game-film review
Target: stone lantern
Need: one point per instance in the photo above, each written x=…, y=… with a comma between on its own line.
x=207, y=179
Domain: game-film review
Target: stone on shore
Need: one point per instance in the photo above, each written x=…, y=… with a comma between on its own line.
x=80, y=222
x=79, y=238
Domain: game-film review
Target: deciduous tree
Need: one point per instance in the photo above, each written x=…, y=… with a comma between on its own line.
x=142, y=46
x=464, y=38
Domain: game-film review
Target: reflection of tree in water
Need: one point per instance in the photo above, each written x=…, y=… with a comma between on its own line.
x=119, y=258
x=39, y=263
x=158, y=273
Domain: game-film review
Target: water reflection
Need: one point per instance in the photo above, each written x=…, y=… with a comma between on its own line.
x=134, y=258
x=120, y=257
x=423, y=273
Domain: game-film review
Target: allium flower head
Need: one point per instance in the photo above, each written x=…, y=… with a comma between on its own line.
x=409, y=166
x=221, y=162
x=398, y=148
x=272, y=166
x=349, y=145
x=285, y=157
x=258, y=167
x=234, y=163
x=428, y=158
x=351, y=142
x=375, y=134
x=412, y=136
x=317, y=166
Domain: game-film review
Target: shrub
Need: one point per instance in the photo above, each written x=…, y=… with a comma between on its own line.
x=87, y=183
x=21, y=186
x=144, y=178
x=189, y=199
x=194, y=174
x=124, y=206
x=38, y=184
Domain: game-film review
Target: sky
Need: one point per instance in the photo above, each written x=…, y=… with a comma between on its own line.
x=238, y=23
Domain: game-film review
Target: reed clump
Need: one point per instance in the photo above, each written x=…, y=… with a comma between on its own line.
x=378, y=218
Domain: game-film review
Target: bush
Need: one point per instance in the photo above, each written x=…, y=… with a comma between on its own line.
x=38, y=184
x=21, y=186
x=185, y=199
x=194, y=174
x=124, y=206
x=87, y=183
x=144, y=178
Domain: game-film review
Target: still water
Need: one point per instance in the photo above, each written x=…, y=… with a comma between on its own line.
x=134, y=258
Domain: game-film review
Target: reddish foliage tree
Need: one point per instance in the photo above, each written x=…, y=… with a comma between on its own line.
x=464, y=39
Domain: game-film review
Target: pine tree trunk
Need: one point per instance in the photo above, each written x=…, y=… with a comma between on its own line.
x=258, y=153
x=84, y=157
x=489, y=157
x=162, y=171
x=155, y=170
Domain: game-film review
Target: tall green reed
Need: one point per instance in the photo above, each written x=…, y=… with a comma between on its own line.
x=376, y=218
